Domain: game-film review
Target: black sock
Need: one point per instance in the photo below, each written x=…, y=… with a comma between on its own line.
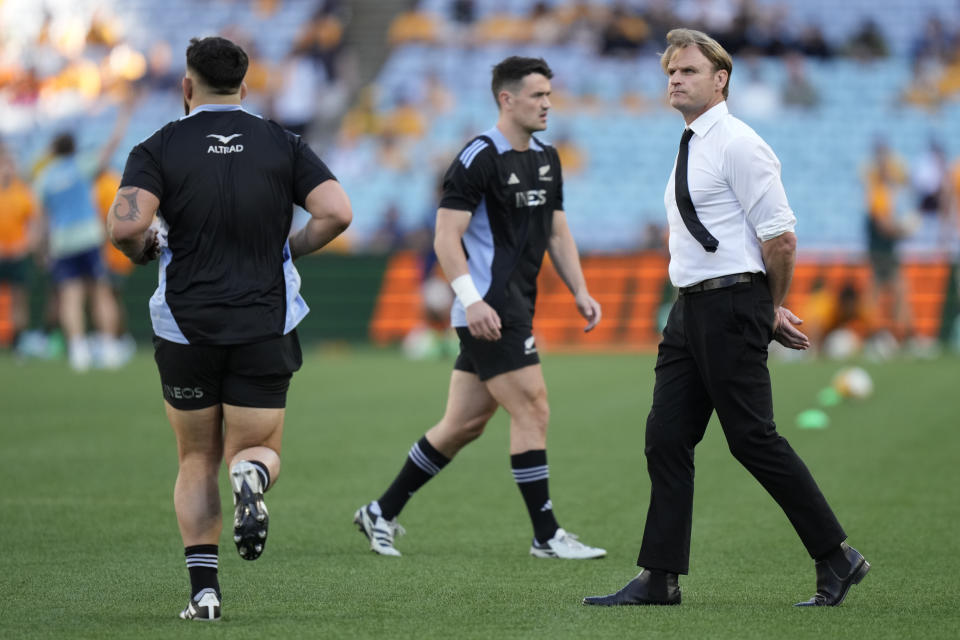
x=423, y=462
x=264, y=473
x=202, y=565
x=531, y=473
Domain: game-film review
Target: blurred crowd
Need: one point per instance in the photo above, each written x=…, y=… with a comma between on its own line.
x=631, y=28
x=935, y=63
x=64, y=59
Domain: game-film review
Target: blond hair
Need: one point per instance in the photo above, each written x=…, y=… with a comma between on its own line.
x=682, y=38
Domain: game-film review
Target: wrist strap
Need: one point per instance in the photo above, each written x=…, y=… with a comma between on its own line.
x=466, y=291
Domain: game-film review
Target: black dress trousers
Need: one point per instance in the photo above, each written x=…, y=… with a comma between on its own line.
x=713, y=356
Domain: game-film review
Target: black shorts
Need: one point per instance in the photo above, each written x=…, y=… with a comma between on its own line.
x=514, y=350
x=884, y=265
x=195, y=376
x=15, y=271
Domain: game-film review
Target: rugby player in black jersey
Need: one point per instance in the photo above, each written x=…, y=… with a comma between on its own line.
x=501, y=209
x=225, y=311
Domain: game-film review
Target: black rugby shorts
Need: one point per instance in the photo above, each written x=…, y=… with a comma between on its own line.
x=257, y=375
x=514, y=350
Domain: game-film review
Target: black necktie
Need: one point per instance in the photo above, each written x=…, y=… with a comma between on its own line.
x=685, y=202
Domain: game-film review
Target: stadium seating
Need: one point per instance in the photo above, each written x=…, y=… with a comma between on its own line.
x=628, y=150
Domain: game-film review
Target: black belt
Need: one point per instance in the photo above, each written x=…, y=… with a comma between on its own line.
x=722, y=282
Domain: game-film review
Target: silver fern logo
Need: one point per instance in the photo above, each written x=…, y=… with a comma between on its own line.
x=529, y=346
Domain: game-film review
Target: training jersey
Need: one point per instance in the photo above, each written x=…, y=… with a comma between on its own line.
x=65, y=188
x=512, y=196
x=227, y=181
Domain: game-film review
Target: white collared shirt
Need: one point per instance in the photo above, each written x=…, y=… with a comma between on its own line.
x=734, y=181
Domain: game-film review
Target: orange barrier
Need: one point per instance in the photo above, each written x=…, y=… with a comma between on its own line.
x=926, y=287
x=632, y=289
x=399, y=305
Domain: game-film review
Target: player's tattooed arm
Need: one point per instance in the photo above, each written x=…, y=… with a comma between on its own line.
x=129, y=221
x=125, y=205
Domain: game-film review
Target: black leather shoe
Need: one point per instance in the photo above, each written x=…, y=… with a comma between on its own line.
x=832, y=588
x=647, y=588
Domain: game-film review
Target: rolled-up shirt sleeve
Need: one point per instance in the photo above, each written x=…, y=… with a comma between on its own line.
x=772, y=215
x=753, y=171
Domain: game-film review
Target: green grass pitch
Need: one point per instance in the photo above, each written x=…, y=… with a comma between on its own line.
x=90, y=547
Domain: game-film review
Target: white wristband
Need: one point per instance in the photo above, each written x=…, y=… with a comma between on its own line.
x=466, y=291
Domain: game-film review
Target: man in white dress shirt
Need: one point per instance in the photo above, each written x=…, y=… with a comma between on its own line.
x=732, y=252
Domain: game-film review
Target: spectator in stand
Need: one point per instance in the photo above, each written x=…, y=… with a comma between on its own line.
x=545, y=25
x=573, y=159
x=318, y=50
x=405, y=120
x=299, y=88
x=582, y=26
x=160, y=75
x=868, y=42
x=932, y=57
x=413, y=25
x=261, y=74
x=463, y=12
x=504, y=26
x=660, y=16
x=812, y=43
x=934, y=41
x=924, y=89
x=438, y=99
x=755, y=98
x=18, y=240
x=458, y=30
x=392, y=153
x=322, y=40
x=797, y=89
x=362, y=119
x=776, y=38
x=624, y=32
x=948, y=84
x=714, y=16
x=930, y=181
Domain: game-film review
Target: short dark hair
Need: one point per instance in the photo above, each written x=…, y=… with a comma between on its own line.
x=220, y=63
x=63, y=144
x=511, y=71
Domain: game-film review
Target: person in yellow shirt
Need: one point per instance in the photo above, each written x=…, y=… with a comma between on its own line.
x=119, y=267
x=18, y=239
x=884, y=177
